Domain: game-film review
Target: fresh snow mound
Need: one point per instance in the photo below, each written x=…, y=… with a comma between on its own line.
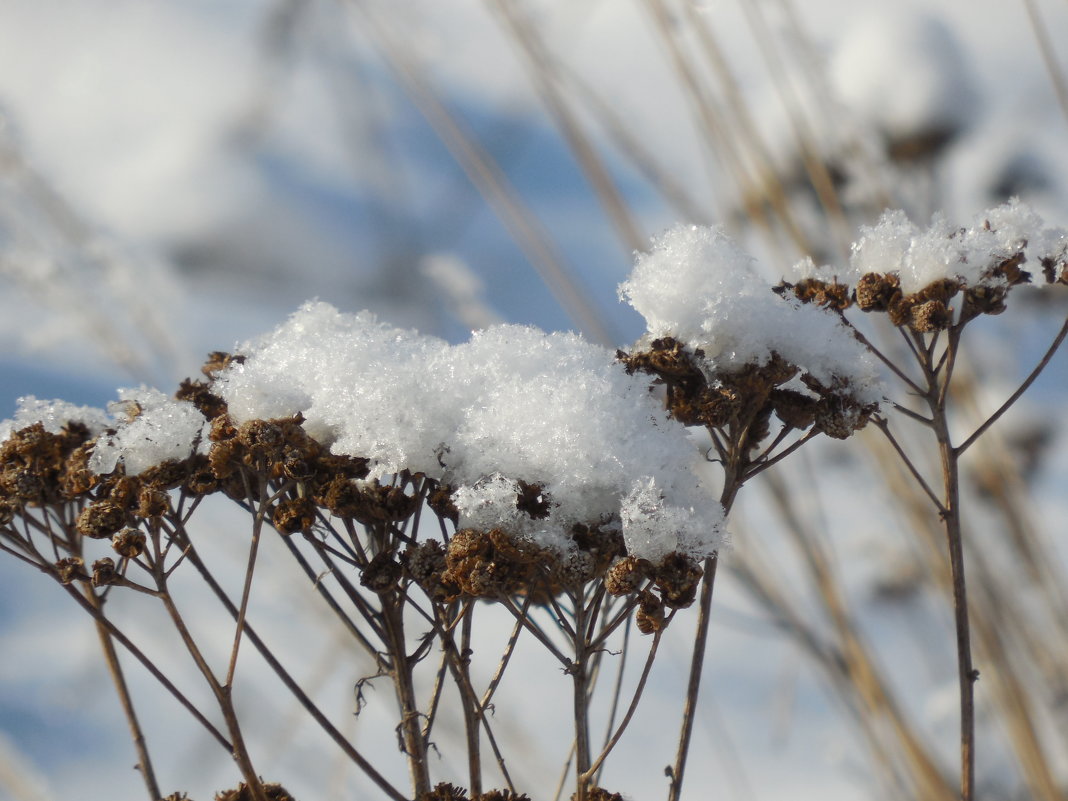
x=697, y=286
x=512, y=404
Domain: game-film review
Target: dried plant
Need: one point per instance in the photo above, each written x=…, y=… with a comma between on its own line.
x=560, y=487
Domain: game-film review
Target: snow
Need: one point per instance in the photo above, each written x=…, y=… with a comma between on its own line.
x=697, y=286
x=513, y=403
x=53, y=415
x=929, y=91
x=156, y=429
x=920, y=257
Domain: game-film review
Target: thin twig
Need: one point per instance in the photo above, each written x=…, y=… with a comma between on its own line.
x=137, y=734
x=633, y=702
x=1015, y=396
x=884, y=426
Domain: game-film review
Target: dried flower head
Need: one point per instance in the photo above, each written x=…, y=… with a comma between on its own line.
x=600, y=794
x=930, y=316
x=218, y=361
x=444, y=792
x=650, y=615
x=124, y=491
x=293, y=515
x=200, y=476
x=166, y=475
x=440, y=501
x=129, y=543
x=104, y=572
x=876, y=292
x=200, y=395
x=425, y=565
x=489, y=564
x=274, y=792
x=531, y=498
x=70, y=569
x=627, y=575
x=100, y=519
x=381, y=574
x=677, y=577
x=501, y=795
x=152, y=502
x=794, y=408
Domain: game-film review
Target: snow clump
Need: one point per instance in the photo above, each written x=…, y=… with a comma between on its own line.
x=53, y=415
x=511, y=405
x=156, y=429
x=920, y=257
x=697, y=286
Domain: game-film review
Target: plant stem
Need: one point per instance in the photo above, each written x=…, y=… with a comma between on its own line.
x=111, y=658
x=938, y=378
x=404, y=687
x=732, y=482
x=967, y=675
x=581, y=699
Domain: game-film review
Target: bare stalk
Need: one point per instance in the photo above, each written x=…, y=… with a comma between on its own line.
x=411, y=731
x=291, y=685
x=580, y=677
x=111, y=659
x=630, y=709
x=732, y=482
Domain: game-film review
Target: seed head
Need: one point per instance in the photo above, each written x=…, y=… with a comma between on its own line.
x=104, y=572
x=626, y=575
x=70, y=569
x=100, y=519
x=129, y=543
x=293, y=515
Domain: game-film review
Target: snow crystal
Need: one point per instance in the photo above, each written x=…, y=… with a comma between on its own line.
x=653, y=529
x=53, y=415
x=157, y=429
x=697, y=286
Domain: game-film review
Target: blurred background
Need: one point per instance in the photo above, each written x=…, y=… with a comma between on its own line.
x=177, y=177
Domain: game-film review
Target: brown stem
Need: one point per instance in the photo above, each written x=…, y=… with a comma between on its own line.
x=246, y=590
x=292, y=685
x=938, y=378
x=630, y=709
x=223, y=698
x=967, y=675
x=111, y=658
x=581, y=698
x=404, y=687
x=731, y=486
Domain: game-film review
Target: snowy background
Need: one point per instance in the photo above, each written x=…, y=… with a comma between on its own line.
x=176, y=177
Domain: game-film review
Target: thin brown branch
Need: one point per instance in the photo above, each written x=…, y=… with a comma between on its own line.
x=286, y=678
x=884, y=426
x=633, y=704
x=1015, y=396
x=118, y=678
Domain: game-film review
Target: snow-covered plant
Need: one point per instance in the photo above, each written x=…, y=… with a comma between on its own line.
x=413, y=480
